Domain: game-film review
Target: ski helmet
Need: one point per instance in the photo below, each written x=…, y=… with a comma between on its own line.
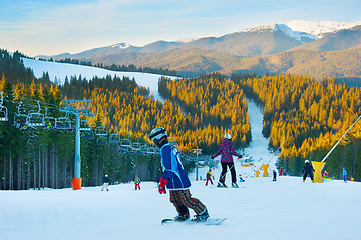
x=228, y=136
x=307, y=161
x=156, y=134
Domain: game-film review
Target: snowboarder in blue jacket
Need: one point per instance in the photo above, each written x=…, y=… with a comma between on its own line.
x=344, y=173
x=176, y=179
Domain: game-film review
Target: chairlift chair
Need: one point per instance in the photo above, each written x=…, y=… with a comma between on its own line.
x=3, y=109
x=62, y=123
x=114, y=145
x=50, y=122
x=125, y=143
x=85, y=125
x=20, y=118
x=35, y=120
x=3, y=114
x=101, y=131
x=102, y=140
x=137, y=145
x=87, y=134
x=114, y=137
x=125, y=149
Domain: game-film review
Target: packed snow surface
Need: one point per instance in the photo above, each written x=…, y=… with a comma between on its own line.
x=261, y=209
x=285, y=209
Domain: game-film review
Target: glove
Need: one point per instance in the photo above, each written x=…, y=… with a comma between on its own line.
x=161, y=186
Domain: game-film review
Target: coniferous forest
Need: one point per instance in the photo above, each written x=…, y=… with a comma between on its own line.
x=309, y=116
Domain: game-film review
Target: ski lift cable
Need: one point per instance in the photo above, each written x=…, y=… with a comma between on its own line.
x=28, y=99
x=276, y=151
x=340, y=139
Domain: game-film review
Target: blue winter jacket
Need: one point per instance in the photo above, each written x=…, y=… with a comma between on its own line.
x=173, y=170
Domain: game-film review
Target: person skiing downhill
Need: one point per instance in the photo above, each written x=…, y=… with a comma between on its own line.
x=175, y=178
x=105, y=182
x=274, y=175
x=209, y=176
x=307, y=170
x=227, y=151
x=344, y=174
x=136, y=183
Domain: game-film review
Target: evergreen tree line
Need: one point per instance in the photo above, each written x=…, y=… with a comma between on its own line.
x=40, y=157
x=310, y=116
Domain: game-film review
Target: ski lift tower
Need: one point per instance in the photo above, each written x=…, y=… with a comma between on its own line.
x=77, y=107
x=197, y=151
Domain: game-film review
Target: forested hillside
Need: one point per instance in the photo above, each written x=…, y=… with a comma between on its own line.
x=307, y=115
x=310, y=116
x=34, y=157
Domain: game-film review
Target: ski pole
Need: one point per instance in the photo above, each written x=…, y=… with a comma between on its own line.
x=234, y=163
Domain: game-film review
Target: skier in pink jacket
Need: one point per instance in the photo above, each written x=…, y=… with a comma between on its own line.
x=227, y=151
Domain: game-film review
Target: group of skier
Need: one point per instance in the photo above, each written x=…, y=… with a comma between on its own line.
x=175, y=178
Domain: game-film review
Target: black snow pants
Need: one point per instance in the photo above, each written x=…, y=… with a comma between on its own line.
x=306, y=174
x=224, y=171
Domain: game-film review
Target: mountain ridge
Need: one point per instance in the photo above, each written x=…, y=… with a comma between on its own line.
x=297, y=29
x=272, y=48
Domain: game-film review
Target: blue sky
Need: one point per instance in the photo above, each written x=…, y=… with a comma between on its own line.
x=52, y=27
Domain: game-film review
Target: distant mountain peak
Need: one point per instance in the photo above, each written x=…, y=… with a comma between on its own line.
x=298, y=35
x=120, y=45
x=320, y=28
x=187, y=40
x=260, y=28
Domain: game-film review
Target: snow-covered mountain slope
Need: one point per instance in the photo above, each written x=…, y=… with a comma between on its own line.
x=121, y=45
x=58, y=72
x=319, y=28
x=299, y=29
x=284, y=29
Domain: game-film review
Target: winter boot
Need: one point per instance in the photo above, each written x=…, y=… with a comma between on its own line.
x=202, y=217
x=221, y=184
x=235, y=185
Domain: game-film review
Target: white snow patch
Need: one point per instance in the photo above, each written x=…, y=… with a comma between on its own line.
x=300, y=28
x=58, y=71
x=282, y=28
x=319, y=28
x=120, y=45
x=187, y=40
